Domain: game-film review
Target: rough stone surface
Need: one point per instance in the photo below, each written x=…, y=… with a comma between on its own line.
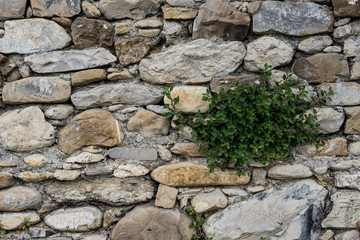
x=19, y=198
x=6, y=180
x=132, y=50
x=290, y=18
x=333, y=49
x=281, y=214
x=346, y=165
x=191, y=175
x=113, y=191
x=289, y=171
x=348, y=235
x=152, y=223
x=268, y=50
x=333, y=147
x=71, y=60
x=187, y=150
x=85, y=157
x=345, y=93
x=65, y=22
x=354, y=148
x=75, y=219
x=352, y=124
x=124, y=93
x=179, y=13
x=198, y=58
x=90, y=10
x=37, y=90
x=35, y=177
x=12, y=9
x=330, y=120
x=149, y=32
x=314, y=44
x=121, y=28
x=355, y=71
x=45, y=35
x=226, y=82
x=351, y=46
x=59, y=112
x=166, y=196
x=66, y=175
x=346, y=8
x=36, y=160
x=204, y=202
x=258, y=176
x=8, y=161
x=25, y=130
x=44, y=8
x=124, y=74
x=12, y=221
x=142, y=154
x=149, y=23
x=130, y=170
x=344, y=180
x=181, y=3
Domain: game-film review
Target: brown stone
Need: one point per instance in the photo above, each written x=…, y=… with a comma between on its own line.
x=166, y=196
x=35, y=177
x=187, y=150
x=187, y=174
x=36, y=160
x=14, y=75
x=7, y=66
x=149, y=32
x=92, y=33
x=19, y=198
x=65, y=22
x=45, y=8
x=12, y=9
x=346, y=8
x=218, y=18
x=121, y=28
x=195, y=81
x=352, y=124
x=6, y=180
x=88, y=76
x=124, y=74
x=355, y=71
x=90, y=10
x=323, y=67
x=179, y=13
x=91, y=127
x=345, y=93
x=149, y=124
x=333, y=147
x=227, y=82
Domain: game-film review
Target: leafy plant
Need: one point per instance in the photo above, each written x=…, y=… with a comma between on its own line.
x=197, y=224
x=2, y=231
x=25, y=225
x=252, y=122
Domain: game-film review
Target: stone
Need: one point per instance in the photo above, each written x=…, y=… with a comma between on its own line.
x=346, y=165
x=111, y=94
x=93, y=149
x=348, y=235
x=164, y=153
x=37, y=90
x=19, y=198
x=44, y=8
x=149, y=23
x=166, y=196
x=12, y=9
x=45, y=35
x=149, y=32
x=174, y=32
x=218, y=18
x=67, y=175
x=59, y=112
x=152, y=223
x=258, y=177
x=179, y=13
x=85, y=157
x=141, y=154
x=181, y=3
x=6, y=180
x=14, y=75
x=333, y=49
x=118, y=9
x=123, y=75
x=344, y=180
x=158, y=109
x=92, y=33
x=342, y=32
x=345, y=211
x=205, y=202
x=8, y=161
x=195, y=59
x=113, y=191
x=333, y=147
x=255, y=189
x=315, y=44
x=25, y=130
x=7, y=66
x=91, y=127
x=227, y=82
x=355, y=71
x=323, y=67
x=71, y=60
x=346, y=8
x=12, y=221
x=101, y=168
x=187, y=150
x=277, y=77
x=268, y=50
x=35, y=177
x=25, y=71
x=195, y=81
x=230, y=191
x=148, y=124
x=86, y=77
x=130, y=170
x=289, y=171
x=187, y=174
x=65, y=22
x=345, y=93
x=354, y=148
x=327, y=235
x=342, y=22
x=75, y=219
x=122, y=28
x=90, y=10
x=39, y=232
x=290, y=18
x=351, y=46
x=352, y=125
x=330, y=120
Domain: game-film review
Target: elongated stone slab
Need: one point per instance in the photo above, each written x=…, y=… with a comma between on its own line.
x=19, y=198
x=347, y=181
x=37, y=90
x=33, y=35
x=51, y=8
x=142, y=154
x=71, y=60
x=12, y=9
x=12, y=221
x=345, y=93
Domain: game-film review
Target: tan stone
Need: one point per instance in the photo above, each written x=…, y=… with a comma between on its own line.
x=204, y=202
x=191, y=175
x=289, y=171
x=85, y=157
x=149, y=23
x=166, y=196
x=59, y=112
x=7, y=66
x=149, y=124
x=123, y=75
x=12, y=221
x=333, y=147
x=6, y=180
x=352, y=124
x=35, y=177
x=67, y=175
x=47, y=207
x=19, y=198
x=93, y=149
x=9, y=161
x=130, y=170
x=90, y=10
x=149, y=32
x=65, y=22
x=187, y=150
x=355, y=71
x=346, y=8
x=44, y=8
x=179, y=13
x=194, y=81
x=121, y=28
x=36, y=160
x=91, y=127
x=14, y=75
x=88, y=76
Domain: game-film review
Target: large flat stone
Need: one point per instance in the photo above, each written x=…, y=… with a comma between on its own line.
x=329, y=119
x=113, y=191
x=33, y=35
x=12, y=221
x=314, y=44
x=71, y=60
x=141, y=154
x=198, y=58
x=352, y=124
x=346, y=8
x=19, y=198
x=289, y=171
x=187, y=150
x=345, y=93
x=333, y=147
x=12, y=9
x=290, y=18
x=343, y=180
x=46, y=8
x=204, y=202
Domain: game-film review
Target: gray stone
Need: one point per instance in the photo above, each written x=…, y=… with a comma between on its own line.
x=164, y=153
x=216, y=84
x=8, y=160
x=181, y=3
x=110, y=94
x=158, y=109
x=346, y=165
x=258, y=176
x=174, y=32
x=289, y=171
x=333, y=49
x=348, y=235
x=59, y=112
x=141, y=154
x=230, y=191
x=198, y=58
x=45, y=35
x=352, y=46
x=166, y=196
x=12, y=9
x=330, y=120
x=344, y=180
x=204, y=202
x=85, y=157
x=354, y=148
x=149, y=23
x=277, y=77
x=45, y=8
x=71, y=60
x=355, y=71
x=38, y=232
x=255, y=189
x=342, y=22
x=290, y=18
x=314, y=44
x=327, y=235
x=345, y=93
x=12, y=221
x=66, y=175
x=19, y=198
x=342, y=32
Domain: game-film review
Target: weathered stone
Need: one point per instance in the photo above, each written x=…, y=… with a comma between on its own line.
x=75, y=219
x=121, y=28
x=198, y=58
x=355, y=71
x=149, y=23
x=327, y=235
x=333, y=147
x=314, y=44
x=231, y=191
x=95, y=237
x=346, y=8
x=93, y=149
x=149, y=32
x=130, y=170
x=101, y=168
x=345, y=211
x=44, y=8
x=67, y=175
x=289, y=171
x=14, y=75
x=351, y=46
x=343, y=31
x=118, y=9
x=164, y=153
x=195, y=81
x=174, y=32
x=354, y=148
x=71, y=60
x=25, y=71
x=345, y=93
x=179, y=13
x=333, y=49
x=25, y=130
x=187, y=174
x=187, y=150
x=323, y=67
x=226, y=83
x=166, y=196
x=35, y=177
x=258, y=176
x=37, y=90
x=276, y=214
x=8, y=160
x=92, y=33
x=36, y=160
x=230, y=23
x=290, y=18
x=123, y=75
x=342, y=22
x=346, y=165
x=141, y=154
x=40, y=232
x=19, y=198
x=65, y=22
x=7, y=66
x=348, y=235
x=90, y=10
x=92, y=127
x=152, y=223
x=255, y=189
x=347, y=181
x=204, y=202
x=352, y=124
x=268, y=50
x=88, y=76
x=12, y=9
x=6, y=180
x=85, y=157
x=45, y=35
x=277, y=77
x=330, y=120
x=181, y=3
x=113, y=191
x=59, y=112
x=12, y=221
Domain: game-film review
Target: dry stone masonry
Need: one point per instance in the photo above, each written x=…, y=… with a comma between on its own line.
x=85, y=152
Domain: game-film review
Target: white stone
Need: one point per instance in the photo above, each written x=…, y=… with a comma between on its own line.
x=67, y=175
x=130, y=170
x=314, y=44
x=330, y=120
x=59, y=112
x=204, y=202
x=85, y=157
x=289, y=171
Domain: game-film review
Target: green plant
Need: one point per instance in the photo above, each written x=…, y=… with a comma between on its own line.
x=197, y=224
x=25, y=225
x=2, y=231
x=252, y=122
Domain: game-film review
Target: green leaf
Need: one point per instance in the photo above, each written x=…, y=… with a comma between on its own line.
x=176, y=100
x=168, y=114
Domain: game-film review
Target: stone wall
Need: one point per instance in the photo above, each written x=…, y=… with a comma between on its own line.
x=86, y=154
